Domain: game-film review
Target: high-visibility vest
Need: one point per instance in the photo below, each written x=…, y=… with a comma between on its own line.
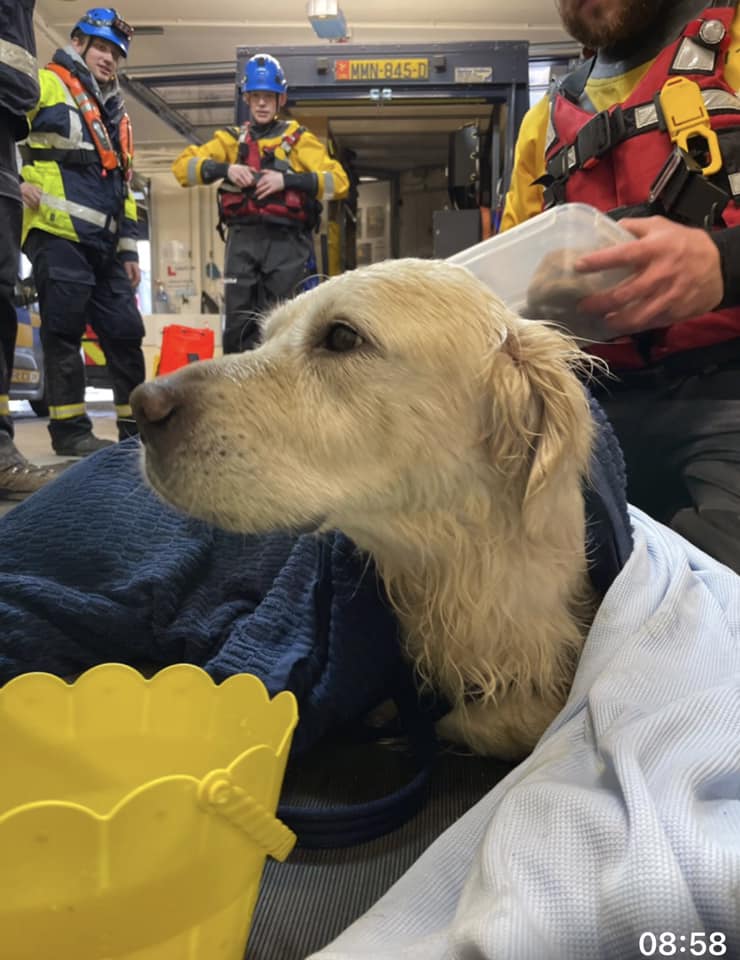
x=84, y=179
x=110, y=158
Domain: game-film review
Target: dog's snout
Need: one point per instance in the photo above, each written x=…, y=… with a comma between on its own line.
x=153, y=405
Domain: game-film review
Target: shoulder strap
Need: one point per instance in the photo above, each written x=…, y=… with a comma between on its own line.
x=291, y=139
x=126, y=143
x=249, y=151
x=573, y=85
x=90, y=110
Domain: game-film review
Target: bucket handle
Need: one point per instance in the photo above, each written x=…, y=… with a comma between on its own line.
x=217, y=793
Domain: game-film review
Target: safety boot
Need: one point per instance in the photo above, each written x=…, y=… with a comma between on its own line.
x=73, y=437
x=80, y=445
x=19, y=478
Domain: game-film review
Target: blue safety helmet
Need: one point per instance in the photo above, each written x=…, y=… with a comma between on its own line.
x=264, y=72
x=105, y=23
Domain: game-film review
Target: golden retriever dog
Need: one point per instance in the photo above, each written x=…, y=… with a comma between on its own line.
x=406, y=406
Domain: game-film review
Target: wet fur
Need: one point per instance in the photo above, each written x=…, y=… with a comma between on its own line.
x=450, y=442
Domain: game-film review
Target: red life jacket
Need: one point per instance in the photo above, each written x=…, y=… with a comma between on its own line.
x=287, y=206
x=610, y=160
x=88, y=107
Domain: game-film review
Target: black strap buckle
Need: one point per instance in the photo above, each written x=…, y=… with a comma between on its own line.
x=554, y=191
x=681, y=192
x=557, y=166
x=600, y=134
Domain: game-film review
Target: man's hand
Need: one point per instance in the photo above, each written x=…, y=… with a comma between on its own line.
x=269, y=182
x=133, y=272
x=31, y=195
x=677, y=276
x=241, y=175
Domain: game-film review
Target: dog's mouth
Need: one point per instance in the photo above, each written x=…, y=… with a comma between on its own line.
x=202, y=504
x=154, y=478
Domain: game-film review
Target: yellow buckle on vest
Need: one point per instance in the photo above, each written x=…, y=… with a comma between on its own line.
x=686, y=117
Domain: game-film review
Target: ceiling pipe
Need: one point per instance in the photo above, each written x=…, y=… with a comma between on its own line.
x=473, y=27
x=159, y=107
x=195, y=70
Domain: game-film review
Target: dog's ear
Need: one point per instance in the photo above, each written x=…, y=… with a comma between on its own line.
x=541, y=426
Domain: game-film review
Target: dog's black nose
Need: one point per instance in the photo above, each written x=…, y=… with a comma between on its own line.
x=153, y=404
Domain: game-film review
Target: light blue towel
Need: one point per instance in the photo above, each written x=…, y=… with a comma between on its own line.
x=625, y=820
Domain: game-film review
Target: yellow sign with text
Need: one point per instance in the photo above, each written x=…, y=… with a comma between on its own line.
x=416, y=68
x=25, y=376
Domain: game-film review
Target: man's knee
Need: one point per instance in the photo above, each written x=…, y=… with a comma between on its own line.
x=63, y=307
x=64, y=290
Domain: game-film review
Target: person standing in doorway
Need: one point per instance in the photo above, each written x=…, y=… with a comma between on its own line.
x=276, y=174
x=80, y=226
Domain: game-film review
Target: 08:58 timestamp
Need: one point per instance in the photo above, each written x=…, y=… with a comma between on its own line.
x=695, y=944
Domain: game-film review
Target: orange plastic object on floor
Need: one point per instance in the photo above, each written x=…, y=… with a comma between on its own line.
x=183, y=345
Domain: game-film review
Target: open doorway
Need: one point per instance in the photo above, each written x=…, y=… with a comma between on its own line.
x=423, y=158
x=422, y=130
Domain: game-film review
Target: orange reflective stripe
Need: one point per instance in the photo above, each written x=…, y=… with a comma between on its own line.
x=126, y=137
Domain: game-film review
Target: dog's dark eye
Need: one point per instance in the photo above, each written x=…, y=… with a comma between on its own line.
x=341, y=338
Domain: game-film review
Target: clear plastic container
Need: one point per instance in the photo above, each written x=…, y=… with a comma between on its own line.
x=531, y=266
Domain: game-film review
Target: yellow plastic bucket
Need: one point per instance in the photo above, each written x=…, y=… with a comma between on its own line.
x=135, y=814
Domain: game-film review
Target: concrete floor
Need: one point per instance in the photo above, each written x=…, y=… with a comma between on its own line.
x=32, y=436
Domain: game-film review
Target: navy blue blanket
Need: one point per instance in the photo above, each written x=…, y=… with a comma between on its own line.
x=96, y=568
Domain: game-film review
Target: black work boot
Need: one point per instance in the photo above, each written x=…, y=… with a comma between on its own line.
x=19, y=478
x=79, y=446
x=73, y=437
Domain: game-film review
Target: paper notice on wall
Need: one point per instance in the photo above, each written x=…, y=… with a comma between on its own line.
x=177, y=270
x=174, y=251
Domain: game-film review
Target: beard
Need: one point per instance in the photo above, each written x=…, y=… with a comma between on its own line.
x=608, y=23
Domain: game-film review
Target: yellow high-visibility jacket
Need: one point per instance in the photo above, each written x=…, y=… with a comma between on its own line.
x=311, y=169
x=80, y=201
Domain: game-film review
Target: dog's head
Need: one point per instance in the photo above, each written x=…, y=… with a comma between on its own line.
x=402, y=387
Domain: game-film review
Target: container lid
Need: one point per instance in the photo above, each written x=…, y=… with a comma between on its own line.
x=530, y=267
